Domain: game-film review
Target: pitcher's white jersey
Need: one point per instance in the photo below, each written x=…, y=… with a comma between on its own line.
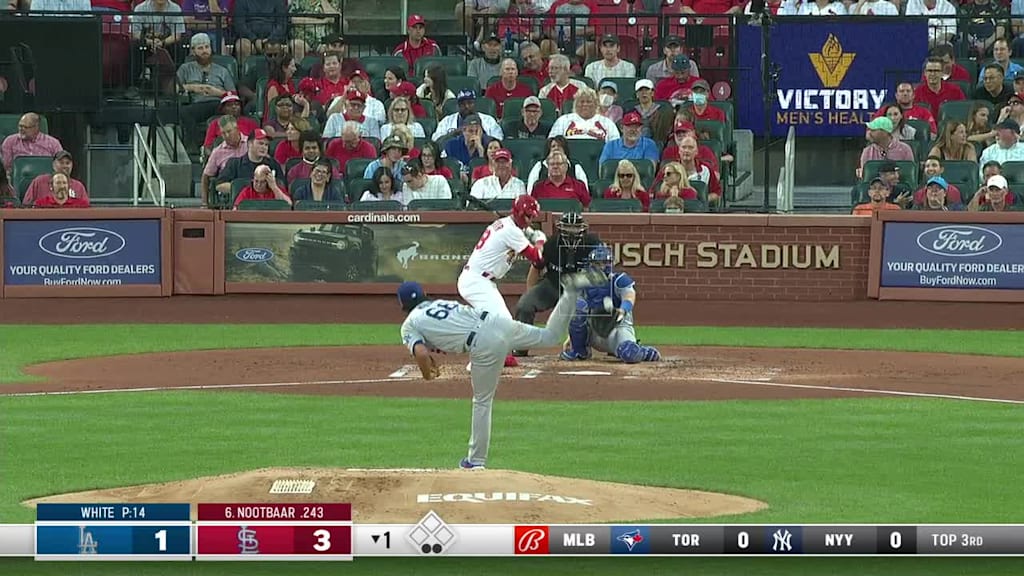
x=442, y=325
x=497, y=248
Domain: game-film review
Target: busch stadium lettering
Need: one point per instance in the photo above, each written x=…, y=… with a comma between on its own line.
x=728, y=255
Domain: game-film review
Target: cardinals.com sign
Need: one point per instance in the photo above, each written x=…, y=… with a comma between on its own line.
x=833, y=74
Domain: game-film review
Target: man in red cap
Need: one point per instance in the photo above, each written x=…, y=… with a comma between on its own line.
x=374, y=107
x=501, y=184
x=258, y=154
x=508, y=86
x=417, y=45
x=355, y=111
x=633, y=145
x=681, y=131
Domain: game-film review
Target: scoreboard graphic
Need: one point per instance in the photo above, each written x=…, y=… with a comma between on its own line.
x=325, y=532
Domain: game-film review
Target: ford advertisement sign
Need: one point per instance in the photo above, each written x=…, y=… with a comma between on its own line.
x=254, y=255
x=81, y=252
x=933, y=255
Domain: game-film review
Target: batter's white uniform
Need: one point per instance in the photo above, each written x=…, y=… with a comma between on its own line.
x=491, y=260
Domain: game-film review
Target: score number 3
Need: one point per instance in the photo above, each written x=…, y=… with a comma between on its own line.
x=323, y=540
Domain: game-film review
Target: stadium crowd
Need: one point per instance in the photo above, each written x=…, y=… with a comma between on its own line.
x=282, y=116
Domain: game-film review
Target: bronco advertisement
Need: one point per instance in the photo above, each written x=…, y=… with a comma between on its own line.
x=957, y=256
x=81, y=252
x=347, y=252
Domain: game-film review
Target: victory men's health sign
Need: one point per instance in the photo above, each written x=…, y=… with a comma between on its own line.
x=81, y=252
x=834, y=75
x=957, y=256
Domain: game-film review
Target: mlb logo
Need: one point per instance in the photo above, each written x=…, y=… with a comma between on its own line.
x=631, y=540
x=532, y=540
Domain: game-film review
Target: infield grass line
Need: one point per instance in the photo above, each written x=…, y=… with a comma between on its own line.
x=862, y=390
x=210, y=387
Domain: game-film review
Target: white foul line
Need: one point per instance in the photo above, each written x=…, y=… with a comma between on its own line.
x=864, y=390
x=206, y=387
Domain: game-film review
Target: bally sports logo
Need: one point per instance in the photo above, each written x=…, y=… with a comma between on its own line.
x=532, y=540
x=959, y=241
x=254, y=255
x=82, y=243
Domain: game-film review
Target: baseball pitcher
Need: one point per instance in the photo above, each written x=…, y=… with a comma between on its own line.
x=499, y=245
x=446, y=326
x=566, y=253
x=604, y=317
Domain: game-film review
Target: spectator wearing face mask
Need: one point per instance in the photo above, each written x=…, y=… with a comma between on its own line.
x=701, y=110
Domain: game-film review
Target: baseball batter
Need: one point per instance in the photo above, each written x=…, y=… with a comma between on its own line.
x=450, y=327
x=499, y=245
x=604, y=317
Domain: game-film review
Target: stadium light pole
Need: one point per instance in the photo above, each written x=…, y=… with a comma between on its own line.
x=769, y=78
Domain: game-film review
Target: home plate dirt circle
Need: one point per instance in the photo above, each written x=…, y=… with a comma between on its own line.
x=404, y=496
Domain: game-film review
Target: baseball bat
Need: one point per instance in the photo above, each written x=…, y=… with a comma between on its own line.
x=481, y=205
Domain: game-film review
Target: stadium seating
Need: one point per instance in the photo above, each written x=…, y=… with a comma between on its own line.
x=25, y=169
x=377, y=206
x=426, y=205
x=264, y=205
x=616, y=205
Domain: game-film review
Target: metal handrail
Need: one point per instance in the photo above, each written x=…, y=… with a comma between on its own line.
x=145, y=169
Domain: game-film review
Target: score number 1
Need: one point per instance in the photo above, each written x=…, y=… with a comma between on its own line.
x=161, y=539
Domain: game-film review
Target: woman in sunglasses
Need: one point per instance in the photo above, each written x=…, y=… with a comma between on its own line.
x=627, y=185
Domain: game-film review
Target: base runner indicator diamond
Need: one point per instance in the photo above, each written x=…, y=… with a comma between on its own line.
x=431, y=536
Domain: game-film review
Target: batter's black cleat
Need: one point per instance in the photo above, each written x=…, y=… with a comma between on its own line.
x=520, y=353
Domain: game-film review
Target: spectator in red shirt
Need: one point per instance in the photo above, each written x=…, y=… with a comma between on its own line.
x=263, y=187
x=336, y=44
x=281, y=71
x=934, y=90
x=408, y=90
x=291, y=148
x=61, y=195
x=674, y=183
x=312, y=152
x=562, y=87
x=911, y=111
x=698, y=170
x=559, y=184
x=712, y=7
x=430, y=154
x=682, y=130
x=333, y=82
x=41, y=186
x=678, y=85
x=350, y=145
x=508, y=86
x=417, y=45
x=701, y=110
x=627, y=185
x=230, y=105
x=951, y=71
x=534, y=64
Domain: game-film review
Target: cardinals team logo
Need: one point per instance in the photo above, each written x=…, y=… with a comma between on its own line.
x=631, y=539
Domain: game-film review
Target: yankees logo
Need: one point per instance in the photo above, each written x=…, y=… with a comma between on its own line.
x=531, y=539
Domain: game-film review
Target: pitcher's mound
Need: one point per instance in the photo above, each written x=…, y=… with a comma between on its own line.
x=404, y=496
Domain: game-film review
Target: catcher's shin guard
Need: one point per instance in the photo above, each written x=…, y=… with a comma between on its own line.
x=631, y=353
x=579, y=334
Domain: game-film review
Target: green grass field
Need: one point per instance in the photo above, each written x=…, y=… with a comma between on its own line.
x=812, y=461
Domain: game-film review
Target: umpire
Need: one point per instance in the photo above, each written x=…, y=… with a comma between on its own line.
x=566, y=253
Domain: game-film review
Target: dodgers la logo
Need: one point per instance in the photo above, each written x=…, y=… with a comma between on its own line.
x=631, y=539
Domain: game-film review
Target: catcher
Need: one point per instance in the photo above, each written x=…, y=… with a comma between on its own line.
x=604, y=317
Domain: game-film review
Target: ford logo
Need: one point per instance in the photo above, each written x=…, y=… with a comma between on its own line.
x=82, y=243
x=959, y=241
x=254, y=255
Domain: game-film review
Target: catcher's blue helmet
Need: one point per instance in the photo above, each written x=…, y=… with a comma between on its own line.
x=410, y=294
x=601, y=257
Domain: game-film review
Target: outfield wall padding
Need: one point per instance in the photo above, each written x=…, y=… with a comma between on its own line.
x=672, y=257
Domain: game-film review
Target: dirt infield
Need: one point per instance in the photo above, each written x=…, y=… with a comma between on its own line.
x=698, y=373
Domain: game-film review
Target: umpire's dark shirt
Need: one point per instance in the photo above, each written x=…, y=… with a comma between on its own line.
x=559, y=258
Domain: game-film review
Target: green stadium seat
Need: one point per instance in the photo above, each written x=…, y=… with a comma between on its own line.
x=311, y=206
x=430, y=205
x=616, y=205
x=730, y=114
x=560, y=205
x=908, y=171
x=9, y=124
x=689, y=206
x=484, y=105
x=256, y=64
x=458, y=83
x=1014, y=172
x=587, y=153
x=960, y=109
x=453, y=65
x=963, y=174
x=716, y=130
x=647, y=63
x=626, y=88
x=236, y=188
x=355, y=188
x=646, y=168
x=499, y=204
x=377, y=206
x=25, y=169
x=525, y=152
x=264, y=205
x=355, y=168
x=514, y=110
x=376, y=65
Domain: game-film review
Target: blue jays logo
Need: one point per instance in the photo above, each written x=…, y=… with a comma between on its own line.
x=631, y=539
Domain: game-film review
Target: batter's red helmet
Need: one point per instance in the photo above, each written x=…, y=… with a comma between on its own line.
x=524, y=209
